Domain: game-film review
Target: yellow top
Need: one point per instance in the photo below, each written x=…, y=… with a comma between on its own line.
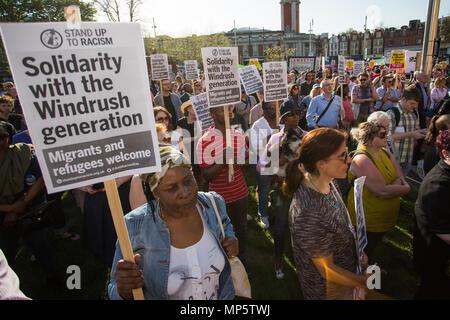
x=380, y=215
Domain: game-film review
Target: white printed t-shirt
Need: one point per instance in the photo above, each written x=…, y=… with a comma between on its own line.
x=194, y=271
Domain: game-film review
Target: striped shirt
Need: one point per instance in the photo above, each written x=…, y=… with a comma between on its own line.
x=408, y=123
x=209, y=151
x=319, y=230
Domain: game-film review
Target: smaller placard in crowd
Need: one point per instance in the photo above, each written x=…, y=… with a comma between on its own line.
x=201, y=109
x=160, y=66
x=251, y=80
x=221, y=66
x=191, y=69
x=275, y=81
x=358, y=67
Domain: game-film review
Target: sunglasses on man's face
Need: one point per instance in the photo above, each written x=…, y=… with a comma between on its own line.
x=363, y=80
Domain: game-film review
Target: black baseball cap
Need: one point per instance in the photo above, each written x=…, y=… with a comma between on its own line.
x=288, y=107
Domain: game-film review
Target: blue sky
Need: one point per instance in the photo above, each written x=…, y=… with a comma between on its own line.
x=178, y=18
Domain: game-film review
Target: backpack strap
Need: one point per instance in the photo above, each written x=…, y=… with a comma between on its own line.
x=396, y=114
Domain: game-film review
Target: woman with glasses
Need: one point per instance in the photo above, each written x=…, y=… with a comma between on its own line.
x=164, y=117
x=294, y=95
x=384, y=183
x=323, y=238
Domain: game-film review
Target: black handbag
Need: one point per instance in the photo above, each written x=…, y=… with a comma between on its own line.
x=36, y=218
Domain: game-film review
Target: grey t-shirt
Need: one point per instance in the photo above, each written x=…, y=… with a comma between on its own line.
x=318, y=230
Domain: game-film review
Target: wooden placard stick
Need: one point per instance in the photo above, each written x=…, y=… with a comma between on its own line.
x=342, y=102
x=113, y=195
x=226, y=114
x=121, y=229
x=193, y=87
x=277, y=113
x=162, y=93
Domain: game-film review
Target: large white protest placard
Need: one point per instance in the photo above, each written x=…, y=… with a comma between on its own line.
x=160, y=66
x=85, y=97
x=191, y=69
x=341, y=69
x=200, y=105
x=221, y=75
x=360, y=219
x=251, y=80
x=358, y=67
x=275, y=81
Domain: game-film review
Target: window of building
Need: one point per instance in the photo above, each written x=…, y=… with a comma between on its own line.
x=255, y=50
x=245, y=51
x=378, y=34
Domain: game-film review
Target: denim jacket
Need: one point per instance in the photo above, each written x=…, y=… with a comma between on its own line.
x=150, y=238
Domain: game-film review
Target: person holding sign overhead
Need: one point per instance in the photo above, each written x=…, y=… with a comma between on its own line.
x=179, y=253
x=212, y=154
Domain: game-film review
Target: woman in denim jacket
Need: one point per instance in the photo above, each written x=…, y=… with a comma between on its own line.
x=176, y=239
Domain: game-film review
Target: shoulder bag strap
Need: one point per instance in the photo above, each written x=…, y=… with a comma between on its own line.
x=324, y=111
x=213, y=202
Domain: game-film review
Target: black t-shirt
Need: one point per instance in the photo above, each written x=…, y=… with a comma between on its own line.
x=305, y=88
x=432, y=208
x=16, y=120
x=430, y=159
x=170, y=107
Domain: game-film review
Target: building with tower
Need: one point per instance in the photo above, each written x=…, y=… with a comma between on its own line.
x=290, y=15
x=253, y=42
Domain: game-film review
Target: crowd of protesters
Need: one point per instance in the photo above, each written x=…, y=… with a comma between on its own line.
x=396, y=121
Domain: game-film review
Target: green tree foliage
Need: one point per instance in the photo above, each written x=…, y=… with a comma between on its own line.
x=42, y=10
x=37, y=11
x=278, y=54
x=188, y=48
